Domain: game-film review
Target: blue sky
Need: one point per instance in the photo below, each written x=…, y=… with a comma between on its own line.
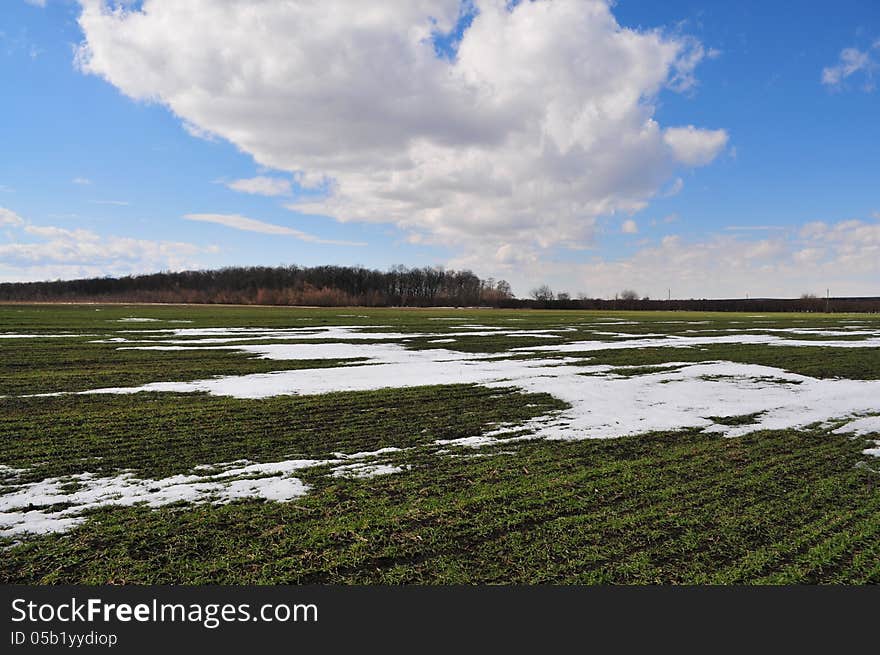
x=124, y=158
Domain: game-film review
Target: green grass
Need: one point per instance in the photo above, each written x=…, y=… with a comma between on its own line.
x=159, y=435
x=783, y=507
x=51, y=366
x=792, y=506
x=813, y=361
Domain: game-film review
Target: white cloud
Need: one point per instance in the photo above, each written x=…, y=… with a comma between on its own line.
x=629, y=227
x=198, y=132
x=541, y=122
x=45, y=251
x=753, y=228
x=693, y=146
x=261, y=185
x=120, y=203
x=36, y=3
x=81, y=180
x=876, y=215
x=9, y=217
x=809, y=255
x=851, y=62
x=246, y=224
x=842, y=256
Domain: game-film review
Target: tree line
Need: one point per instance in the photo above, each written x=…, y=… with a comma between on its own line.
x=284, y=285
x=335, y=286
x=543, y=297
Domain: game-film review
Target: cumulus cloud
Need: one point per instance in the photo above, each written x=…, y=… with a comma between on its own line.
x=238, y=222
x=539, y=122
x=853, y=61
x=261, y=186
x=693, y=146
x=843, y=256
x=44, y=251
x=629, y=227
x=10, y=218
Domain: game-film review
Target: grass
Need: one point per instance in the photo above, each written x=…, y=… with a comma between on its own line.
x=159, y=435
x=51, y=366
x=772, y=507
x=784, y=507
x=813, y=361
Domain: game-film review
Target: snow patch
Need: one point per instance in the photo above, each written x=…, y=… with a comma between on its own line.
x=363, y=471
x=601, y=403
x=59, y=504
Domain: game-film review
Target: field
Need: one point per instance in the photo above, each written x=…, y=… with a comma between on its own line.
x=260, y=445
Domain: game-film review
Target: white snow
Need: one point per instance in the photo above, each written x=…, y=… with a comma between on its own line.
x=26, y=509
x=676, y=341
x=368, y=453
x=865, y=426
x=811, y=331
x=363, y=471
x=628, y=335
x=602, y=403
x=861, y=426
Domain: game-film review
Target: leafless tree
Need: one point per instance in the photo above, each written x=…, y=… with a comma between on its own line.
x=503, y=289
x=543, y=293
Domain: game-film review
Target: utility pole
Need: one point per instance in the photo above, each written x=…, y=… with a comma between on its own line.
x=827, y=300
x=669, y=294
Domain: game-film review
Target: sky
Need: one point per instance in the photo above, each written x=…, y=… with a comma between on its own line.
x=687, y=148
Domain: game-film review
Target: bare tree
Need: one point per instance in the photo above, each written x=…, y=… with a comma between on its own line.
x=543, y=293
x=629, y=294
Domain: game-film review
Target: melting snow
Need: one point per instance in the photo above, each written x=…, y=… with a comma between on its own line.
x=365, y=470
x=602, y=403
x=59, y=504
x=862, y=426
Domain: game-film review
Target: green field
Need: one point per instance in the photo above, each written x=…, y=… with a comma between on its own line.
x=351, y=445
